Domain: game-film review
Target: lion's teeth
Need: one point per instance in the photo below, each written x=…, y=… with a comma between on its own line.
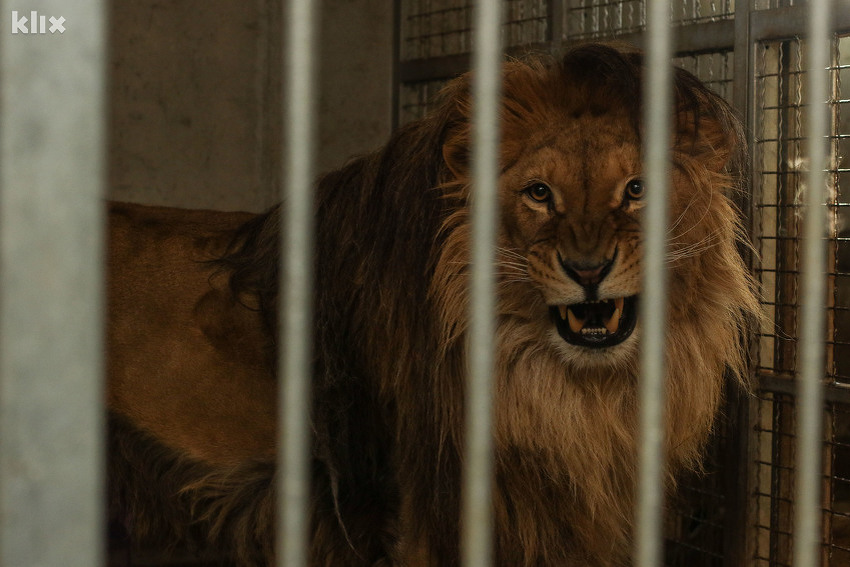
x=613, y=323
x=563, y=310
x=575, y=323
x=618, y=303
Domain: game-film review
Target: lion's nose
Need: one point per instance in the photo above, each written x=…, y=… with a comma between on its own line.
x=586, y=274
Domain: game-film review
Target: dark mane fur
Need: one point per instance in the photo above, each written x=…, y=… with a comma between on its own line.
x=161, y=497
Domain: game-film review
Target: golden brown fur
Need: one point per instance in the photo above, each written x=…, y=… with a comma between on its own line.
x=191, y=342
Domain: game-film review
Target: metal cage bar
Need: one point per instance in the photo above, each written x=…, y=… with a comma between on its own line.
x=52, y=117
x=476, y=521
x=807, y=505
x=657, y=125
x=296, y=285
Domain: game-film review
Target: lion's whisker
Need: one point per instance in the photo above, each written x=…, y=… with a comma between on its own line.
x=699, y=222
x=513, y=265
x=681, y=216
x=693, y=249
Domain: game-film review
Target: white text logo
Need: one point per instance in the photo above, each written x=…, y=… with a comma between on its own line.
x=36, y=24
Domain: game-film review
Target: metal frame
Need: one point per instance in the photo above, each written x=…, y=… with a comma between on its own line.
x=658, y=92
x=296, y=286
x=779, y=24
x=476, y=513
x=52, y=117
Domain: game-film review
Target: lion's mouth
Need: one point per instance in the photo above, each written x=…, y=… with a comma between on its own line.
x=596, y=324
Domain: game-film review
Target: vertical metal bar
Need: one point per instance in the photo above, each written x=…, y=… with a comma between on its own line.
x=296, y=285
x=398, y=86
x=51, y=181
x=658, y=101
x=476, y=520
x=740, y=538
x=813, y=302
x=555, y=22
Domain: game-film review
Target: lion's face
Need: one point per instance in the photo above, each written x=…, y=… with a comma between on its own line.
x=570, y=242
x=571, y=207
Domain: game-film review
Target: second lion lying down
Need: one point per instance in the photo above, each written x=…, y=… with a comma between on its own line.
x=193, y=321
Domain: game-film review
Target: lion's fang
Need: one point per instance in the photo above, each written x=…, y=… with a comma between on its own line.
x=575, y=323
x=613, y=323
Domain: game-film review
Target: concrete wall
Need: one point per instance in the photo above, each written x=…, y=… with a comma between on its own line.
x=356, y=78
x=195, y=97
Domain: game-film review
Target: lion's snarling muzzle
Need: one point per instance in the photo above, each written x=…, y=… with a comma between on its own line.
x=597, y=323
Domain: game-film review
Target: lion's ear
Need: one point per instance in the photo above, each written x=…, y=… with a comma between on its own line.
x=706, y=126
x=711, y=134
x=715, y=141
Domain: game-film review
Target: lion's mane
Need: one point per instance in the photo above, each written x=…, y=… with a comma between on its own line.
x=390, y=322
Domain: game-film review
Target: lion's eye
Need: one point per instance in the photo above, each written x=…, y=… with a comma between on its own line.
x=539, y=192
x=634, y=189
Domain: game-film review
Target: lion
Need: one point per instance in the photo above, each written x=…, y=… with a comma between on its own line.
x=192, y=327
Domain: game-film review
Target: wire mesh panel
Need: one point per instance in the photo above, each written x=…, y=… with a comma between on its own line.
x=435, y=28
x=778, y=155
x=416, y=99
x=779, y=162
x=837, y=466
x=840, y=220
x=771, y=4
x=592, y=19
x=526, y=22
x=778, y=186
x=715, y=69
x=774, y=463
x=599, y=18
x=775, y=467
x=697, y=522
x=438, y=29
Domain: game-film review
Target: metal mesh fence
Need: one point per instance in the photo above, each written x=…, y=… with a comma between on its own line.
x=771, y=4
x=778, y=186
x=416, y=99
x=592, y=19
x=585, y=20
x=773, y=494
x=837, y=501
x=715, y=69
x=696, y=530
x=440, y=30
x=840, y=217
x=435, y=28
x=775, y=466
